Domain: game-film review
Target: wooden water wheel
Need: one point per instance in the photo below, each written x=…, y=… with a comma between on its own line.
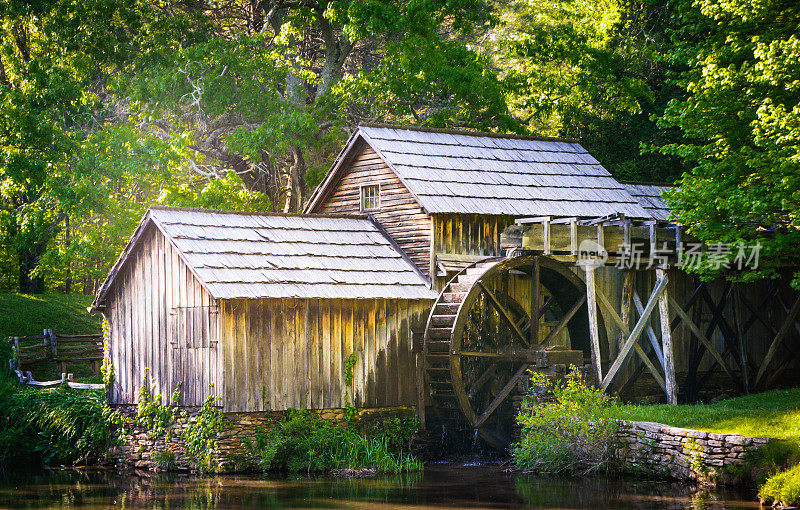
x=479, y=343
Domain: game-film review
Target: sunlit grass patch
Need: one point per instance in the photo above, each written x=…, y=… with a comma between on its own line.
x=772, y=414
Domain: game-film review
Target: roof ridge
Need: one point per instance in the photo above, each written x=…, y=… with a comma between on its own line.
x=470, y=132
x=649, y=183
x=159, y=207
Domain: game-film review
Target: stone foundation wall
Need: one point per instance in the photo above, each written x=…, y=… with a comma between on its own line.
x=139, y=448
x=681, y=453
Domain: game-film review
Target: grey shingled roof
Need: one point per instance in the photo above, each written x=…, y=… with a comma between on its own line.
x=250, y=255
x=649, y=196
x=452, y=172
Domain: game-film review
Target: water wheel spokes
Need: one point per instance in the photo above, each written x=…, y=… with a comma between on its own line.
x=479, y=344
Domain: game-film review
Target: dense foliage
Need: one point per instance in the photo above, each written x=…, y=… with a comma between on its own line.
x=741, y=123
x=782, y=487
x=567, y=427
x=304, y=442
x=57, y=426
x=108, y=106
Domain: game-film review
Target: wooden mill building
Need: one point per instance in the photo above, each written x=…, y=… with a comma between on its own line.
x=263, y=310
x=475, y=239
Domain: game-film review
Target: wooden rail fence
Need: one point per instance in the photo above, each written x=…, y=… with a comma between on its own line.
x=60, y=349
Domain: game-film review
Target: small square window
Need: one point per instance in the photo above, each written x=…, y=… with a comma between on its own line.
x=370, y=197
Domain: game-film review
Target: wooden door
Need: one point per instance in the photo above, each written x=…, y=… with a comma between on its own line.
x=195, y=347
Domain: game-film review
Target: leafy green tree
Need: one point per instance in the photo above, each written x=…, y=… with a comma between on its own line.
x=590, y=70
x=78, y=165
x=741, y=125
x=275, y=88
x=52, y=56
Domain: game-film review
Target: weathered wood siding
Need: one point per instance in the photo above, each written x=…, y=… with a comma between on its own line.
x=466, y=234
x=161, y=323
x=292, y=353
x=400, y=214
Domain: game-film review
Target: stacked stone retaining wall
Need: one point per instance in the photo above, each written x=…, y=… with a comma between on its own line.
x=685, y=454
x=140, y=448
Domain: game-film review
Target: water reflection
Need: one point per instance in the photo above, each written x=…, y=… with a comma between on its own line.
x=441, y=487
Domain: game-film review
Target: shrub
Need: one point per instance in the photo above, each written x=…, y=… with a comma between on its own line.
x=302, y=442
x=566, y=427
x=201, y=433
x=783, y=487
x=55, y=426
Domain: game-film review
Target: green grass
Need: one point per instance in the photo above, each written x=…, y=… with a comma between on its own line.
x=24, y=314
x=773, y=414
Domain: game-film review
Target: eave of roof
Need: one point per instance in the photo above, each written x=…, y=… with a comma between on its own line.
x=262, y=255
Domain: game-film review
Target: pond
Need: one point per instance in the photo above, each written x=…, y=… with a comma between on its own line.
x=440, y=486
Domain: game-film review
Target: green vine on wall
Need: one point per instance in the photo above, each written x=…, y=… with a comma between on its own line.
x=350, y=411
x=150, y=414
x=107, y=368
x=201, y=433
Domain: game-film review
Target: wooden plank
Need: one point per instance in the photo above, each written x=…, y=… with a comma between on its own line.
x=321, y=347
x=279, y=362
x=291, y=371
x=312, y=334
x=141, y=324
x=394, y=374
x=337, y=366
x=649, y=330
x=160, y=349
x=381, y=356
x=360, y=370
x=371, y=352
x=327, y=376
x=348, y=332
x=302, y=349
x=164, y=346
x=170, y=302
x=254, y=355
x=666, y=339
x=594, y=333
x=271, y=316
x=627, y=347
x=533, y=328
x=773, y=348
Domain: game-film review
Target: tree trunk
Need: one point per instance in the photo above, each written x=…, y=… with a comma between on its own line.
x=28, y=261
x=68, y=271
x=296, y=183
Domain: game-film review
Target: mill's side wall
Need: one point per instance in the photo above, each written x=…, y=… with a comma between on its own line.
x=293, y=353
x=161, y=326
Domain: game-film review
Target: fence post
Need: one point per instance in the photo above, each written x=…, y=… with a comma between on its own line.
x=51, y=333
x=16, y=351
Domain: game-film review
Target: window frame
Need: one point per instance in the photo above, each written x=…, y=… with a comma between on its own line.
x=362, y=198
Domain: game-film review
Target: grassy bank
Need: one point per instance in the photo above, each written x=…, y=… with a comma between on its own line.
x=29, y=314
x=773, y=414
x=26, y=314
x=56, y=426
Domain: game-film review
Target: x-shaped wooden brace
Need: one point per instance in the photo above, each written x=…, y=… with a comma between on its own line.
x=630, y=344
x=776, y=342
